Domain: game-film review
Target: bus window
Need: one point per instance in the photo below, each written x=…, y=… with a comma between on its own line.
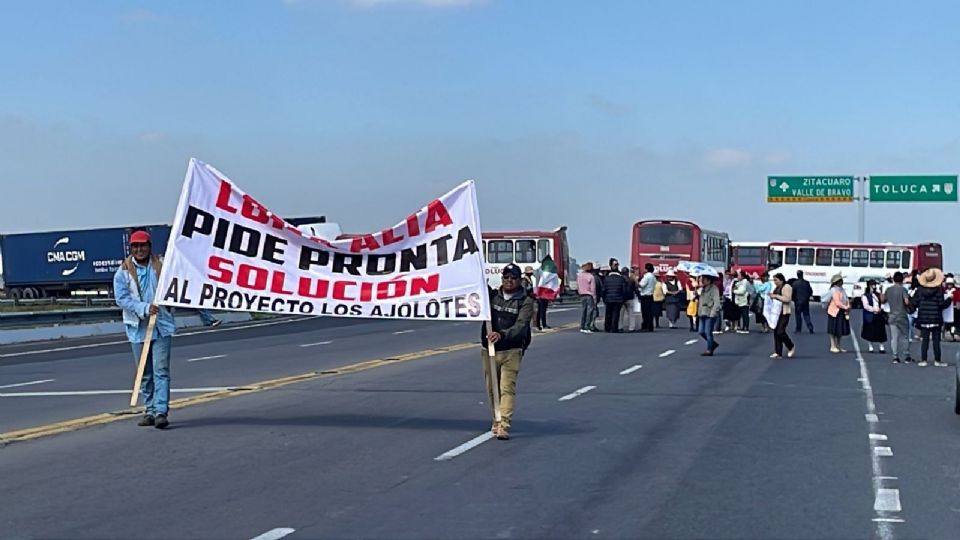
x=876, y=258
x=485, y=250
x=860, y=258
x=791, y=255
x=776, y=258
x=666, y=235
x=501, y=252
x=905, y=260
x=893, y=259
x=749, y=255
x=805, y=256
x=824, y=257
x=526, y=252
x=841, y=257
x=543, y=249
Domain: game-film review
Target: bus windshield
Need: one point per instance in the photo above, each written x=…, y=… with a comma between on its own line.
x=750, y=255
x=666, y=235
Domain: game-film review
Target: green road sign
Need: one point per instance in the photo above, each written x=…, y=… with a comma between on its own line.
x=942, y=188
x=809, y=189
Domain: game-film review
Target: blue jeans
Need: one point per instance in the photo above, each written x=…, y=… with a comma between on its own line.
x=706, y=330
x=588, y=307
x=205, y=317
x=155, y=386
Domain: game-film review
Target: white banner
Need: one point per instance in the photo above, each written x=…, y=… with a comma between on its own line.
x=228, y=252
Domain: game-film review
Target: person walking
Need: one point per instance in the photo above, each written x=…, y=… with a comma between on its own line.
x=648, y=285
x=511, y=310
x=616, y=291
x=693, y=294
x=838, y=314
x=898, y=302
x=742, y=291
x=659, y=296
x=874, y=328
x=930, y=304
x=802, y=293
x=674, y=298
x=731, y=315
x=629, y=313
x=709, y=307
x=587, y=290
x=783, y=293
x=949, y=326
x=135, y=288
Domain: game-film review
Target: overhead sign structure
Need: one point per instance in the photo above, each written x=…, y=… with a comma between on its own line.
x=934, y=188
x=810, y=189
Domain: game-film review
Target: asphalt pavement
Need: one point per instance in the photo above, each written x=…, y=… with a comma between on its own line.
x=615, y=436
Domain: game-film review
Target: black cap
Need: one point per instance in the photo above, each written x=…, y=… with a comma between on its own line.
x=512, y=269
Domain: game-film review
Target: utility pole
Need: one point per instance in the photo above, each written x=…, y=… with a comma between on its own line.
x=862, y=209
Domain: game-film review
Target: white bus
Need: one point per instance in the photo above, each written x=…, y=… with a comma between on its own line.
x=855, y=262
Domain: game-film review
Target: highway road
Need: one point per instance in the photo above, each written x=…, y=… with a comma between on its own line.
x=321, y=428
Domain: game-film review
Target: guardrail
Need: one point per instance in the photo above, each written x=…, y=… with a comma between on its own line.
x=54, y=317
x=89, y=301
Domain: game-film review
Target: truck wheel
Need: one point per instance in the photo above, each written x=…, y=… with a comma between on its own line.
x=16, y=293
x=29, y=293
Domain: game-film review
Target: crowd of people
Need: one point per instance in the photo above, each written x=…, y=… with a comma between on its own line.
x=925, y=307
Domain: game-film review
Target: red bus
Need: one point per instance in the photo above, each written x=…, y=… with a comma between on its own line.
x=750, y=257
x=664, y=243
x=529, y=248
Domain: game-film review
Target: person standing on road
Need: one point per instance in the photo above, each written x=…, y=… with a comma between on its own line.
x=511, y=310
x=616, y=291
x=693, y=295
x=648, y=285
x=673, y=300
x=802, y=292
x=710, y=304
x=783, y=292
x=763, y=289
x=587, y=289
x=742, y=292
x=659, y=296
x=135, y=288
x=896, y=298
x=838, y=314
x=628, y=313
x=930, y=304
x=874, y=328
x=949, y=326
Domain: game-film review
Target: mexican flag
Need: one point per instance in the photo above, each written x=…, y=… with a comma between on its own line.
x=548, y=286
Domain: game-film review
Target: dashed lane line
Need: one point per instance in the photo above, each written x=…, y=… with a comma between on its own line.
x=691, y=341
x=108, y=417
x=630, y=370
x=667, y=353
x=577, y=393
x=275, y=534
x=29, y=383
x=316, y=344
x=200, y=358
x=472, y=443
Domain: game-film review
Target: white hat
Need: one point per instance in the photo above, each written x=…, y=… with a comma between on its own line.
x=950, y=281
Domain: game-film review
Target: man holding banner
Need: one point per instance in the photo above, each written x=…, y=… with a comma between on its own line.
x=509, y=334
x=147, y=325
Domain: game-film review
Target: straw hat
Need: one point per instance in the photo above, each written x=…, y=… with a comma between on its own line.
x=931, y=277
x=837, y=278
x=588, y=266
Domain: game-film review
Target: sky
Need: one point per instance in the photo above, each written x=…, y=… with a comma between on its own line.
x=592, y=114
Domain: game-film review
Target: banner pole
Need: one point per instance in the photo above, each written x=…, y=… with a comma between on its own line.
x=135, y=395
x=494, y=379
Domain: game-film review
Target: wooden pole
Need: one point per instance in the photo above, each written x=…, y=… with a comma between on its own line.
x=143, y=360
x=494, y=379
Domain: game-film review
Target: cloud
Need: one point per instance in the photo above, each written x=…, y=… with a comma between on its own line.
x=607, y=106
x=725, y=158
x=776, y=158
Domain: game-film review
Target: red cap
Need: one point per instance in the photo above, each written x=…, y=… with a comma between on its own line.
x=140, y=237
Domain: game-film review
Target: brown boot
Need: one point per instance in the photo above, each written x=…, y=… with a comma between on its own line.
x=503, y=432
x=494, y=427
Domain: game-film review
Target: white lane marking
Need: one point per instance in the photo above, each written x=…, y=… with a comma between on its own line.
x=877, y=437
x=665, y=354
x=317, y=343
x=474, y=442
x=691, y=341
x=112, y=392
x=883, y=451
x=578, y=393
x=630, y=370
x=887, y=478
x=124, y=342
x=888, y=520
x=205, y=358
x=275, y=534
x=27, y=383
x=885, y=500
x=402, y=332
x=888, y=500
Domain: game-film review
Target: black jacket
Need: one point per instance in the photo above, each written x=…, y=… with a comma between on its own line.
x=616, y=289
x=930, y=304
x=511, y=317
x=802, y=291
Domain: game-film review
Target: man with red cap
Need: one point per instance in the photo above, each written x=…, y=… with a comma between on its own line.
x=135, y=289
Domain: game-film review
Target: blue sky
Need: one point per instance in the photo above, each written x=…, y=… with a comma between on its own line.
x=593, y=114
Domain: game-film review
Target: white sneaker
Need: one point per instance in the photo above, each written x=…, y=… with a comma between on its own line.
x=870, y=349
x=940, y=364
x=921, y=364
x=775, y=355
x=587, y=331
x=791, y=352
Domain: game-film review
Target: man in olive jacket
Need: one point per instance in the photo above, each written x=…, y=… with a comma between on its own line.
x=511, y=311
